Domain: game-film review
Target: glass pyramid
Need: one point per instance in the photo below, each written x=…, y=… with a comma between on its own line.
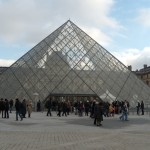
x=69, y=61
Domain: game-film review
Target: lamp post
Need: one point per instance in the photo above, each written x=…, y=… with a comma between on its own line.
x=35, y=100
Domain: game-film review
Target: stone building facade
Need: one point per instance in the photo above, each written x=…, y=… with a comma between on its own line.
x=143, y=73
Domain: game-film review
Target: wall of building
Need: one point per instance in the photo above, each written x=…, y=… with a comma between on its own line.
x=144, y=74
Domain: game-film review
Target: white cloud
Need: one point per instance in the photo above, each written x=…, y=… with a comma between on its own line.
x=29, y=21
x=98, y=35
x=143, y=17
x=135, y=57
x=20, y=19
x=6, y=62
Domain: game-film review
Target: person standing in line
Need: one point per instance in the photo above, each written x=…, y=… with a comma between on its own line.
x=29, y=108
x=142, y=107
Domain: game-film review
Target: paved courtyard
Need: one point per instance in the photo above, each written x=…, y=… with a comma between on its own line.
x=74, y=133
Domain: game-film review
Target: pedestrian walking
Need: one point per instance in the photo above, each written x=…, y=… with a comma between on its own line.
x=98, y=114
x=18, y=110
x=49, y=107
x=124, y=109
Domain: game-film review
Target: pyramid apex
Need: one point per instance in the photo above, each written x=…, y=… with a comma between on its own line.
x=69, y=20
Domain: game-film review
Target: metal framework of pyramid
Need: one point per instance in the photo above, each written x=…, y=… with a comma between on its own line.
x=69, y=61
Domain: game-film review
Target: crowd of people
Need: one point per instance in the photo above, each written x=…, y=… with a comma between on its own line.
x=140, y=106
x=96, y=109
x=21, y=108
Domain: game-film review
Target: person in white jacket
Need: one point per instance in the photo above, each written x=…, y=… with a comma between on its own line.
x=29, y=108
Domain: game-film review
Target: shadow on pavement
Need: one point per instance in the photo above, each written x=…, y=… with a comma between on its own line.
x=108, y=123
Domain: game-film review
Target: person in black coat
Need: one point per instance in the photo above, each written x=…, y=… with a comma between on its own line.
x=98, y=113
x=6, y=108
x=92, y=109
x=87, y=107
x=18, y=107
x=49, y=107
x=138, y=108
x=2, y=107
x=64, y=108
x=39, y=106
x=11, y=103
x=142, y=107
x=59, y=109
x=24, y=108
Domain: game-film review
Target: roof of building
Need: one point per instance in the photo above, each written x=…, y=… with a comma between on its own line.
x=2, y=69
x=144, y=70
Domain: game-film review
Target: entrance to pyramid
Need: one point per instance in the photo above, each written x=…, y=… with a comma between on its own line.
x=71, y=100
x=72, y=97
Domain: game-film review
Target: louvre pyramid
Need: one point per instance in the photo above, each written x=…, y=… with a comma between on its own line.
x=69, y=61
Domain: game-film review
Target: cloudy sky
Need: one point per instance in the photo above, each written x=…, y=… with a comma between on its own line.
x=121, y=26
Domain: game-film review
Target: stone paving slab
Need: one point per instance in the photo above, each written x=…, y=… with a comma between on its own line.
x=74, y=133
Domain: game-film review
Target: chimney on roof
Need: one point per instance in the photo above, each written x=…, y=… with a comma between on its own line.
x=145, y=66
x=130, y=68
